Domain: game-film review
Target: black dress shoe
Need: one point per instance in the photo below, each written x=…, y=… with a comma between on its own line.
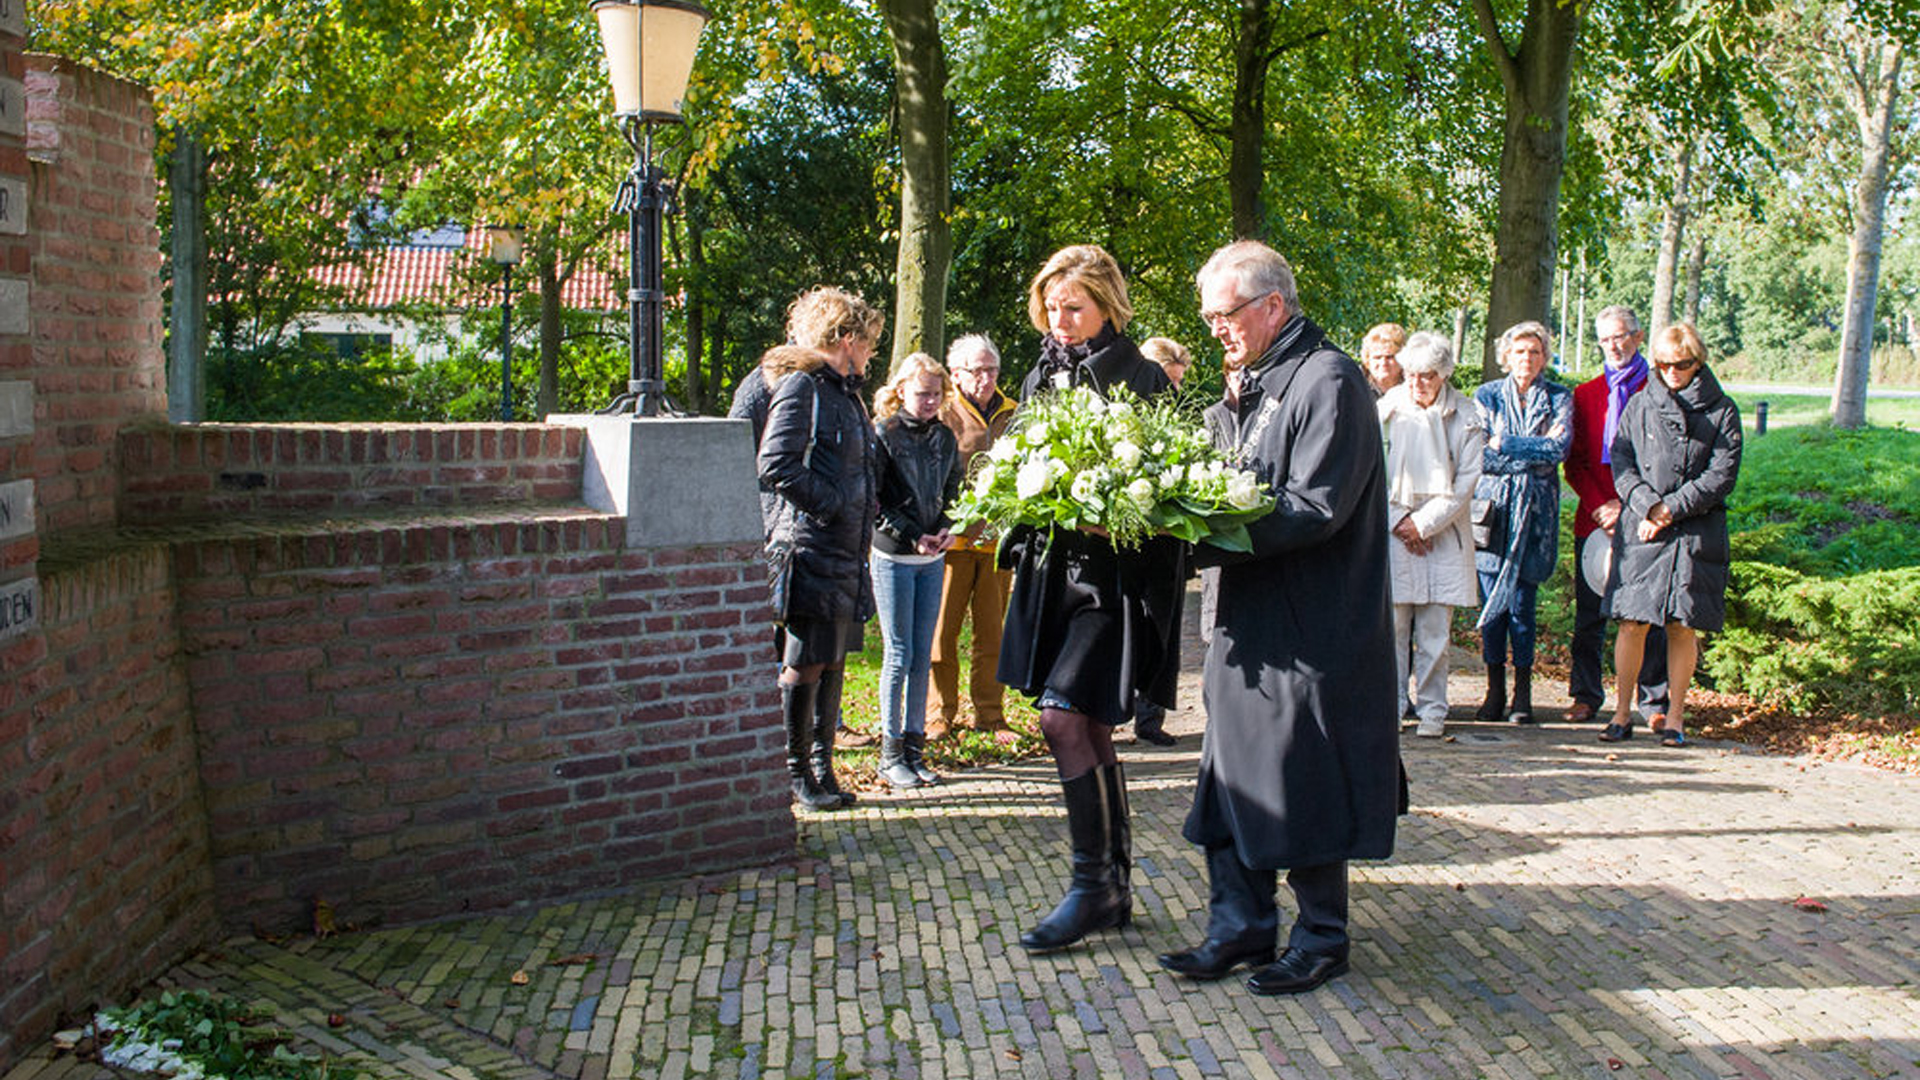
x=1297, y=971
x=1215, y=959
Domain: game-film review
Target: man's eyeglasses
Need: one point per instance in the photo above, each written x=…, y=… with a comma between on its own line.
x=1215, y=319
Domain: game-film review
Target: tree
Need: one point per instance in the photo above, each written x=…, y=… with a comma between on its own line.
x=1536, y=78
x=1869, y=78
x=920, y=285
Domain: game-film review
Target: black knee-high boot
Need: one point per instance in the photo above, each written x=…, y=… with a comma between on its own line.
x=1092, y=902
x=796, y=708
x=826, y=723
x=1120, y=833
x=1495, y=705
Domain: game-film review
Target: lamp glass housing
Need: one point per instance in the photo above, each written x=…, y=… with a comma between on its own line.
x=650, y=47
x=506, y=244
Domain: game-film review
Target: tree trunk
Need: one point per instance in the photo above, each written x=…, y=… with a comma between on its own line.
x=1462, y=318
x=1537, y=79
x=1673, y=229
x=187, y=321
x=1580, y=330
x=1874, y=109
x=1246, y=170
x=547, y=401
x=920, y=281
x=1696, y=269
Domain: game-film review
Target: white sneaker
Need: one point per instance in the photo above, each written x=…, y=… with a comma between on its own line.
x=1431, y=729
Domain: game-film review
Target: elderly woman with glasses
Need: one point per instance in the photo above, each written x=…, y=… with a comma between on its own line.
x=1434, y=446
x=1675, y=460
x=1529, y=423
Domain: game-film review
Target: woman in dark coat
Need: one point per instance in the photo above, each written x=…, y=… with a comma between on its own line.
x=817, y=455
x=1089, y=629
x=1529, y=425
x=1676, y=457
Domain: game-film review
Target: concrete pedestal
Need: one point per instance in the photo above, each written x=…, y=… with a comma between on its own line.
x=677, y=481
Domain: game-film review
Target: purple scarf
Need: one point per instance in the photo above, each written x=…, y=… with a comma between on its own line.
x=1621, y=384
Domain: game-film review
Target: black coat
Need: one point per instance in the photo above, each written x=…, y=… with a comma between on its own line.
x=818, y=456
x=919, y=478
x=1096, y=625
x=751, y=400
x=1684, y=450
x=1300, y=766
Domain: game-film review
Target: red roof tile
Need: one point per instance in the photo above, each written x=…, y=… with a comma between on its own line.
x=425, y=274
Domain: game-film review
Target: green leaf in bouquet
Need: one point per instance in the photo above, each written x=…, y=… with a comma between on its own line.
x=1233, y=537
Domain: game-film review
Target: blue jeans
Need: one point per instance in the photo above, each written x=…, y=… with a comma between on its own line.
x=908, y=596
x=1509, y=626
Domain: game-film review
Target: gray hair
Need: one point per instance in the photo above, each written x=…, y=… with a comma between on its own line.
x=970, y=346
x=1427, y=352
x=1530, y=328
x=1257, y=270
x=1619, y=313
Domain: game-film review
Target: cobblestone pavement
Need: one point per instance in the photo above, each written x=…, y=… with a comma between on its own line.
x=1556, y=908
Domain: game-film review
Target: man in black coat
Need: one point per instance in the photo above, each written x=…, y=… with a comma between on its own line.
x=1300, y=768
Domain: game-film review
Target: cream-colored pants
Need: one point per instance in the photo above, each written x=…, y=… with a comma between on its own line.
x=1420, y=633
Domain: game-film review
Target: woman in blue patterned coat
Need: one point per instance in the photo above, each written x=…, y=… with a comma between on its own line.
x=1529, y=424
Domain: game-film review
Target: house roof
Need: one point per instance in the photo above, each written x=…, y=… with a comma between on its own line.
x=422, y=270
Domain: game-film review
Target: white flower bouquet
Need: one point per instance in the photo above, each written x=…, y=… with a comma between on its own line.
x=1133, y=468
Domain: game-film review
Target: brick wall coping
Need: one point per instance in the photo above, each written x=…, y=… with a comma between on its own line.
x=77, y=548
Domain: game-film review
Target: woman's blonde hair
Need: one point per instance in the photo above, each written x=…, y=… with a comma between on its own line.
x=893, y=395
x=823, y=317
x=1392, y=335
x=1165, y=350
x=1095, y=271
x=1678, y=342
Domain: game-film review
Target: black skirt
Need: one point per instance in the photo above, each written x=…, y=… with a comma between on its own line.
x=1095, y=626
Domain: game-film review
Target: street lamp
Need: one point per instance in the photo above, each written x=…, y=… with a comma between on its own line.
x=504, y=246
x=649, y=46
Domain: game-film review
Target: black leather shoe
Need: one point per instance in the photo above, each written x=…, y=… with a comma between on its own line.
x=1215, y=959
x=1297, y=971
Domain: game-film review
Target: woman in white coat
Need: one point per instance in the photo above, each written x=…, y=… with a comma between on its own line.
x=1434, y=439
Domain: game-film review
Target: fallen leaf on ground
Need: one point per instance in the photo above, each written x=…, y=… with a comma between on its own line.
x=1616, y=1064
x=335, y=1020
x=1013, y=1054
x=521, y=978
x=1808, y=903
x=572, y=959
x=451, y=1003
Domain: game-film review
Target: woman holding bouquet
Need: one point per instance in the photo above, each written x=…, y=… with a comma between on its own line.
x=1091, y=631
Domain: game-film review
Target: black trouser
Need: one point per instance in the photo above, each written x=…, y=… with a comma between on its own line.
x=1241, y=906
x=1589, y=643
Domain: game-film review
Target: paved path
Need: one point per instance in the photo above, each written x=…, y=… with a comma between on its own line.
x=1556, y=908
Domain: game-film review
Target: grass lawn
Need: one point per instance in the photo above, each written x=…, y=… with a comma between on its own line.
x=1809, y=406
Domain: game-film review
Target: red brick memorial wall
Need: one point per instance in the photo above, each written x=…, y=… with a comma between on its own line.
x=242, y=669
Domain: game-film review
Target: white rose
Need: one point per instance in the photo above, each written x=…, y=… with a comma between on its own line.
x=1085, y=486
x=1170, y=477
x=1196, y=473
x=983, y=483
x=1243, y=491
x=1141, y=492
x=1096, y=405
x=1034, y=477
x=1126, y=455
x=1120, y=409
x=1003, y=450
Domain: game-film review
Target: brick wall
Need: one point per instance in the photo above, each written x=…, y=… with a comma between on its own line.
x=422, y=720
x=227, y=470
x=95, y=245
x=101, y=828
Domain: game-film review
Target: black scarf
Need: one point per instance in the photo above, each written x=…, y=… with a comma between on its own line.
x=1056, y=356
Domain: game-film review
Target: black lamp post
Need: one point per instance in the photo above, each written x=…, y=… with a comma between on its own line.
x=504, y=246
x=649, y=46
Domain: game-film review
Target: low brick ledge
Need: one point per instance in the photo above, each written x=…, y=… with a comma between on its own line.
x=410, y=532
